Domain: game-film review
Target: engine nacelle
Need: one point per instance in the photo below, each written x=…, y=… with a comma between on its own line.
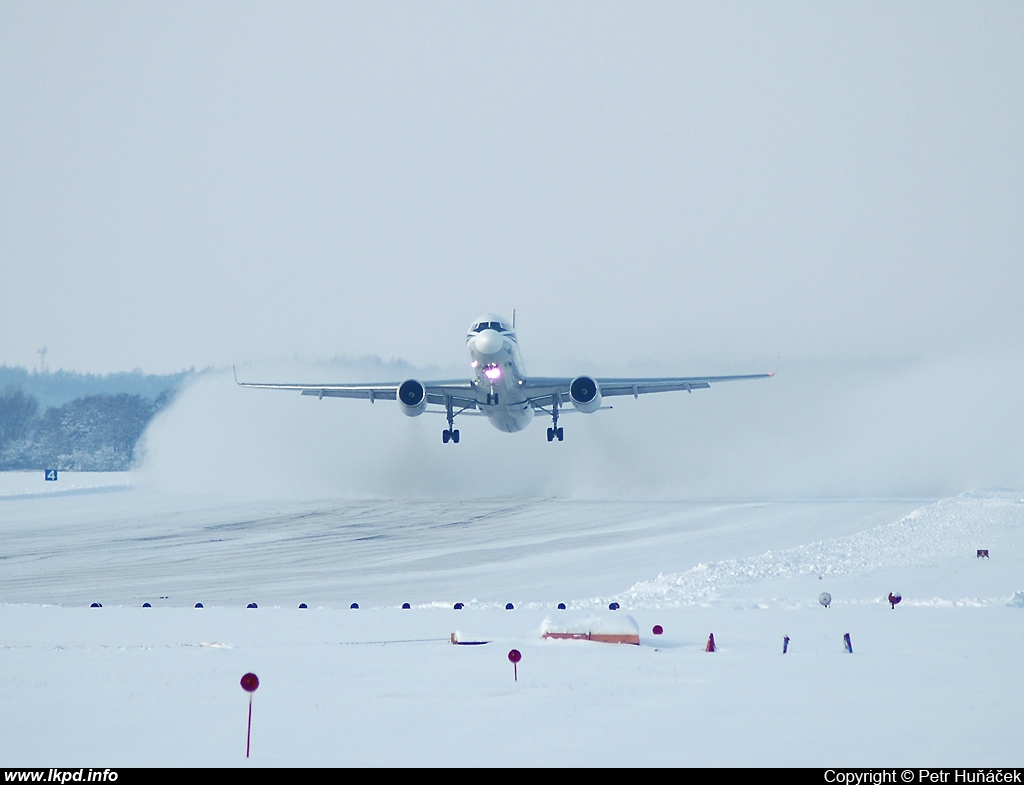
x=412, y=396
x=585, y=394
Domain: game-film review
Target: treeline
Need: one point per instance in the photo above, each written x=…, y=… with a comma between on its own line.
x=55, y=388
x=92, y=433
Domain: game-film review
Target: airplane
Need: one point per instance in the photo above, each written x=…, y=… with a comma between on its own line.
x=500, y=390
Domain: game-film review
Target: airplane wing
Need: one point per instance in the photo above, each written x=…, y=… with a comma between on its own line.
x=459, y=391
x=641, y=386
x=544, y=390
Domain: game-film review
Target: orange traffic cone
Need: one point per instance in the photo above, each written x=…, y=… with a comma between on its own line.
x=711, y=642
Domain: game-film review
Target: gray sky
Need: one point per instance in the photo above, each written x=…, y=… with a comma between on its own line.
x=197, y=184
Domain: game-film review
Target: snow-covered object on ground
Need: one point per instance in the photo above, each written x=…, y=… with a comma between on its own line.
x=613, y=627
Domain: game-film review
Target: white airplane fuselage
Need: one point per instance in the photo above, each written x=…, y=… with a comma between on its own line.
x=498, y=379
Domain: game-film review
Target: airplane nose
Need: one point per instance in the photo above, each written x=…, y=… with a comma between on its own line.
x=489, y=342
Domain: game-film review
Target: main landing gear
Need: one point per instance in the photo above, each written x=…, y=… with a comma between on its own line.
x=450, y=434
x=555, y=432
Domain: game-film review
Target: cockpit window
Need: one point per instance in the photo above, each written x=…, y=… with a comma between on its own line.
x=500, y=327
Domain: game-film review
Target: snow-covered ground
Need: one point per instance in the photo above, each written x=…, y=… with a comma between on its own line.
x=937, y=681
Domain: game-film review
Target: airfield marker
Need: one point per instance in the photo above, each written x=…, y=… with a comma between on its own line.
x=250, y=683
x=894, y=599
x=711, y=643
x=847, y=643
x=514, y=656
x=785, y=643
x=657, y=629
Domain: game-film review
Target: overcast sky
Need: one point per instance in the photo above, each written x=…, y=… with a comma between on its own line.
x=200, y=184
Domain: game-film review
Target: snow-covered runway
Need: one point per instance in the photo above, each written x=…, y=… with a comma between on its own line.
x=937, y=681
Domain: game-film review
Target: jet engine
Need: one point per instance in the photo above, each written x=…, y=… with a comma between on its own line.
x=412, y=396
x=585, y=394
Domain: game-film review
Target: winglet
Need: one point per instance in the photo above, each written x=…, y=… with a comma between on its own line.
x=235, y=372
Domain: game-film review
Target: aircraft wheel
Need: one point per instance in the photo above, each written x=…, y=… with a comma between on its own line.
x=446, y=436
x=455, y=437
x=551, y=434
x=560, y=433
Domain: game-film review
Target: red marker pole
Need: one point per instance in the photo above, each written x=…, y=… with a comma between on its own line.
x=250, y=682
x=514, y=656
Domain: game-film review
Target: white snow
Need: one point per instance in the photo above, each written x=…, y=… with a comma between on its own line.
x=937, y=681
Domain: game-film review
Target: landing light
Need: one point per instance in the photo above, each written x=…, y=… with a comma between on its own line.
x=492, y=372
